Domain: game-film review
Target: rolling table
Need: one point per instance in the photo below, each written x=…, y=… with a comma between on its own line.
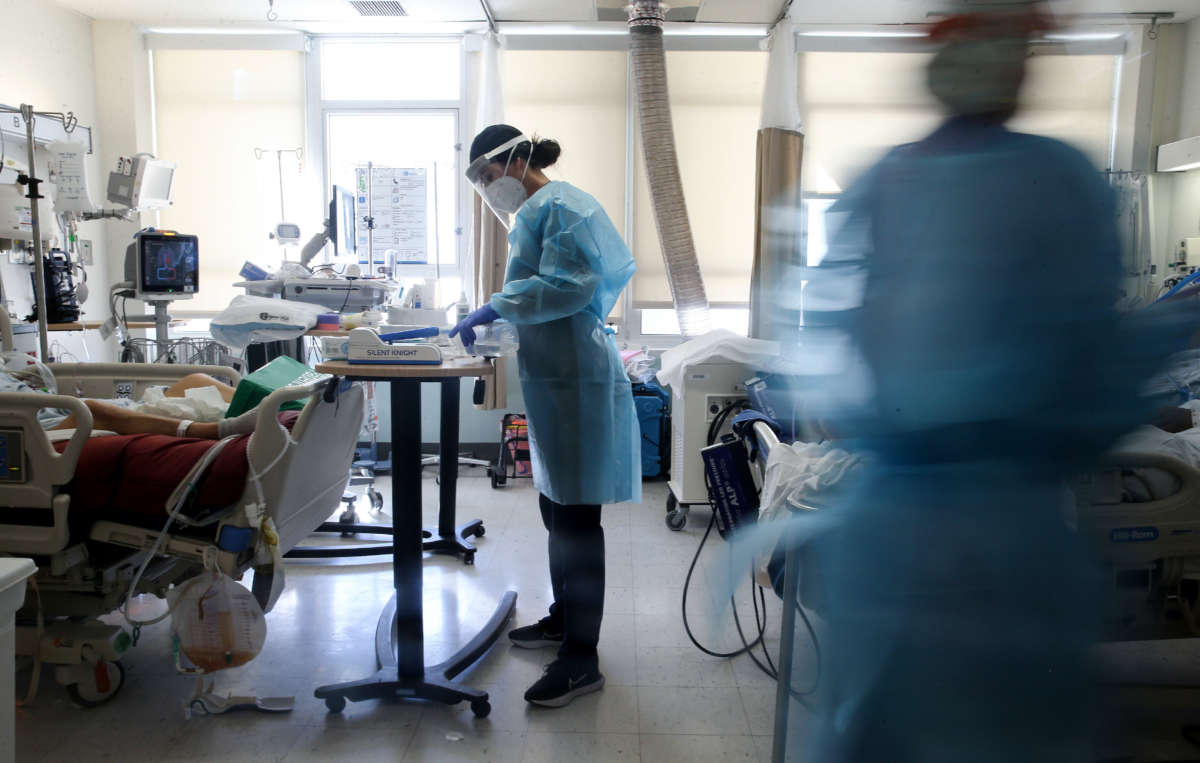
x=399, y=636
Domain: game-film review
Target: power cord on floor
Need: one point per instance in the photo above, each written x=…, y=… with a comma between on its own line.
x=759, y=603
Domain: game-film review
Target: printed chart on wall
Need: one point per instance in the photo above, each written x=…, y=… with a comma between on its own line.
x=397, y=198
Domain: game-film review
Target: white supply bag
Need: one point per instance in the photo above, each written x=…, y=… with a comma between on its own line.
x=719, y=345
x=249, y=320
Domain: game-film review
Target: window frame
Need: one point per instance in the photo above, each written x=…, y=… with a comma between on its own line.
x=319, y=109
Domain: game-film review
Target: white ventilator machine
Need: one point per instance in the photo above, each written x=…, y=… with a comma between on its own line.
x=707, y=389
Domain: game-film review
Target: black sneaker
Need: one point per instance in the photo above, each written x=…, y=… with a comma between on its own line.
x=562, y=683
x=542, y=633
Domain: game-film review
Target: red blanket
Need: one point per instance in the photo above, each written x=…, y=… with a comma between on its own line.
x=130, y=477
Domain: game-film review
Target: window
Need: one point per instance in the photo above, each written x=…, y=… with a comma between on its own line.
x=398, y=104
x=357, y=70
x=213, y=109
x=858, y=105
x=402, y=139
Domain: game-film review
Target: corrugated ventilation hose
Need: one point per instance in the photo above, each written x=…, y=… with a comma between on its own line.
x=646, y=19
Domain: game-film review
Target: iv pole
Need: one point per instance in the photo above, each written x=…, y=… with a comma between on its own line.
x=31, y=181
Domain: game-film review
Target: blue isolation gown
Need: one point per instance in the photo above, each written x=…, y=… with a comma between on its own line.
x=566, y=267
x=974, y=274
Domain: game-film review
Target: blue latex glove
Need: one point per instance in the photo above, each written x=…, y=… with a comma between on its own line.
x=466, y=327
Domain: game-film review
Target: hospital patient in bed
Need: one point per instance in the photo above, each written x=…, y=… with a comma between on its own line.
x=24, y=374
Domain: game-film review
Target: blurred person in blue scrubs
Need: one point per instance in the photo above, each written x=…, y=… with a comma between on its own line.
x=973, y=276
x=567, y=265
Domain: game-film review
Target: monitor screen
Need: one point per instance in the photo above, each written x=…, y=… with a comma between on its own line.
x=341, y=222
x=168, y=264
x=157, y=178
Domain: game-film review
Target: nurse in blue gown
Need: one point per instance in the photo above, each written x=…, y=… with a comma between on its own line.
x=567, y=265
x=974, y=273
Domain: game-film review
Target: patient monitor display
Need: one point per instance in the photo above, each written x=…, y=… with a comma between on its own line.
x=163, y=265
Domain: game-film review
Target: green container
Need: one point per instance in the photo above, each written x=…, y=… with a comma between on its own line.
x=280, y=372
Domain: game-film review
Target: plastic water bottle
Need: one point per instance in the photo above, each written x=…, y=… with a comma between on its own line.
x=461, y=308
x=495, y=339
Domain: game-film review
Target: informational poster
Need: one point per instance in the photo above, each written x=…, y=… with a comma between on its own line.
x=396, y=198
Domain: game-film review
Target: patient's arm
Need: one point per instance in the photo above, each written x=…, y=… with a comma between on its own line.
x=114, y=418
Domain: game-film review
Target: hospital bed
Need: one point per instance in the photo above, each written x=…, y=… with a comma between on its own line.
x=295, y=465
x=1152, y=547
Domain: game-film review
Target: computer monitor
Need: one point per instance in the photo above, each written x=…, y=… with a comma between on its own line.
x=341, y=222
x=163, y=265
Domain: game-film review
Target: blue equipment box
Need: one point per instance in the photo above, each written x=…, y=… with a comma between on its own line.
x=653, y=406
x=731, y=486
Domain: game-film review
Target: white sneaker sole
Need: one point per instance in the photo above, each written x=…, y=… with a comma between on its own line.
x=565, y=699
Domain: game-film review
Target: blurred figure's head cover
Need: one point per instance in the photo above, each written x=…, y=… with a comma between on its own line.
x=980, y=67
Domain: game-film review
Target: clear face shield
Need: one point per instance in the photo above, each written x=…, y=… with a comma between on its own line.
x=503, y=193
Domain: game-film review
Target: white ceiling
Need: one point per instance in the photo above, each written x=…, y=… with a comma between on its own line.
x=301, y=13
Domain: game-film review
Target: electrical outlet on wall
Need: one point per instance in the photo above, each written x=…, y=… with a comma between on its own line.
x=85, y=252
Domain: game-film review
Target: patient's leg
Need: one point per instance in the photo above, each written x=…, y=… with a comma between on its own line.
x=114, y=418
x=192, y=381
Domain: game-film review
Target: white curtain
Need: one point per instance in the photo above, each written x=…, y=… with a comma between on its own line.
x=489, y=240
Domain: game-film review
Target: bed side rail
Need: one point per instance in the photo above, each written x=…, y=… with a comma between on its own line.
x=44, y=471
x=110, y=380
x=1139, y=533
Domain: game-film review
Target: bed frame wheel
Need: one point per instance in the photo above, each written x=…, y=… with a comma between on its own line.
x=100, y=684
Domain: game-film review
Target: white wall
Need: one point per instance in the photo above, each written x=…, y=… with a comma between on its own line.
x=48, y=63
x=123, y=122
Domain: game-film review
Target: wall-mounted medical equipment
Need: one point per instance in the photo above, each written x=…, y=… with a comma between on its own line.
x=62, y=296
x=287, y=234
x=1187, y=254
x=368, y=347
x=16, y=213
x=142, y=182
x=38, y=127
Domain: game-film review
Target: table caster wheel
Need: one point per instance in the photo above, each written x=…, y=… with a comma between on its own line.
x=478, y=531
x=481, y=708
x=676, y=520
x=496, y=483
x=335, y=704
x=469, y=558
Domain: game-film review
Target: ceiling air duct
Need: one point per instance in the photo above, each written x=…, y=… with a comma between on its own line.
x=646, y=18
x=376, y=8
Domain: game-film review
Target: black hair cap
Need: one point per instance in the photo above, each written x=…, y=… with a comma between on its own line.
x=492, y=138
